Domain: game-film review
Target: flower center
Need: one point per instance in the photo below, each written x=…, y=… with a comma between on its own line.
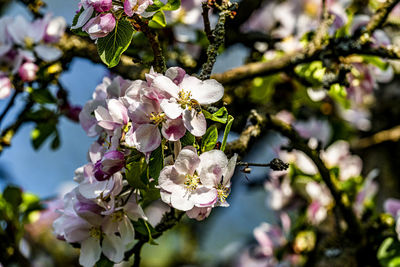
x=184, y=97
x=95, y=232
x=118, y=215
x=29, y=42
x=135, y=8
x=157, y=118
x=192, y=181
x=223, y=192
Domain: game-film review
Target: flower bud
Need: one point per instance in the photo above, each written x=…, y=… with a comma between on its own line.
x=101, y=5
x=28, y=71
x=100, y=26
x=5, y=87
x=111, y=162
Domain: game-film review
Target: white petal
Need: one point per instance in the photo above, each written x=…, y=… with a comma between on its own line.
x=180, y=200
x=113, y=248
x=212, y=167
x=147, y=138
x=83, y=18
x=90, y=252
x=171, y=108
x=165, y=84
x=127, y=232
x=194, y=122
x=230, y=170
x=187, y=161
x=205, y=92
x=48, y=53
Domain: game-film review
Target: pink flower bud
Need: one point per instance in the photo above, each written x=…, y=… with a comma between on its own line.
x=101, y=5
x=28, y=71
x=5, y=87
x=100, y=26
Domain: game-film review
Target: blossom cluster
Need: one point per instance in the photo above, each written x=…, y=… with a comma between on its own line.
x=137, y=122
x=298, y=192
x=98, y=17
x=24, y=44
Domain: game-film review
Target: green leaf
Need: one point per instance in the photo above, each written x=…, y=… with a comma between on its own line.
x=145, y=229
x=376, y=61
x=40, y=134
x=172, y=5
x=112, y=46
x=209, y=139
x=156, y=163
x=136, y=173
x=56, y=142
x=43, y=96
x=157, y=5
x=188, y=139
x=104, y=262
x=13, y=195
x=226, y=132
x=220, y=116
x=389, y=253
x=158, y=21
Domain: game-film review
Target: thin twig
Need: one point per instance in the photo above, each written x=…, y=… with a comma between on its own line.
x=206, y=20
x=159, y=60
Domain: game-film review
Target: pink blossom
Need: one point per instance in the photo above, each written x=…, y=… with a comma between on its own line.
x=28, y=71
x=181, y=185
x=136, y=6
x=185, y=98
x=112, y=117
x=147, y=115
x=100, y=26
x=54, y=30
x=5, y=87
x=111, y=162
x=101, y=5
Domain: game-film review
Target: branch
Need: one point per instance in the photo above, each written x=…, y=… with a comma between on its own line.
x=76, y=46
x=380, y=16
x=392, y=135
x=159, y=61
x=206, y=21
x=354, y=228
x=275, y=164
x=218, y=37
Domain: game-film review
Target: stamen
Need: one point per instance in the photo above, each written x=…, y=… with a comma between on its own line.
x=157, y=118
x=223, y=193
x=192, y=181
x=184, y=97
x=95, y=232
x=118, y=215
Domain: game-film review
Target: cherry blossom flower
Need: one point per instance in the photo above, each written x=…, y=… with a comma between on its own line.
x=28, y=71
x=112, y=117
x=148, y=116
x=136, y=6
x=180, y=183
x=185, y=99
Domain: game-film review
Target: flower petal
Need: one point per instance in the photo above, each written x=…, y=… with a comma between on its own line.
x=173, y=130
x=90, y=252
x=187, y=161
x=205, y=92
x=146, y=138
x=113, y=248
x=165, y=84
x=194, y=122
x=171, y=108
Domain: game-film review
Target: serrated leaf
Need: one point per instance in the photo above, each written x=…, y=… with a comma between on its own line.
x=226, y=132
x=220, y=116
x=172, y=5
x=209, y=139
x=156, y=163
x=112, y=46
x=135, y=171
x=158, y=21
x=157, y=5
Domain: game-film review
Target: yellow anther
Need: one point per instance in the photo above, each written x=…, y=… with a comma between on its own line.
x=29, y=42
x=184, y=97
x=118, y=215
x=223, y=193
x=95, y=232
x=158, y=118
x=192, y=181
